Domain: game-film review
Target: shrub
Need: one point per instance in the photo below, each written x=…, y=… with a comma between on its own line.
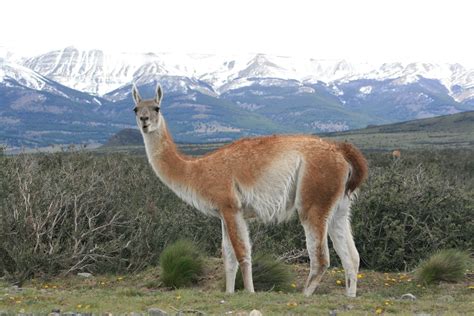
x=447, y=265
x=79, y=211
x=70, y=212
x=181, y=264
x=268, y=273
x=406, y=211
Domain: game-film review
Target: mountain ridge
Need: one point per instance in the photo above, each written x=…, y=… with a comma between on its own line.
x=99, y=73
x=47, y=99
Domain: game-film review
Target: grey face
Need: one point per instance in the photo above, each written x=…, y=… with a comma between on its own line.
x=147, y=112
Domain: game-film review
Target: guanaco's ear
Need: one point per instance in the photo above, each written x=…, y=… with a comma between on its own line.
x=159, y=94
x=136, y=95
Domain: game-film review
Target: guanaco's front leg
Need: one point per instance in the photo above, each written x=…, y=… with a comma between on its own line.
x=235, y=233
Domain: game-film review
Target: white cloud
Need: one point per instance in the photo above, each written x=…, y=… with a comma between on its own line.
x=357, y=30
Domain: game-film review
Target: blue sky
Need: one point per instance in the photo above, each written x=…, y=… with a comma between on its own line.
x=381, y=30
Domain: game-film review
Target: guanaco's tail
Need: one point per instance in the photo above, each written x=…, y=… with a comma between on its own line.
x=359, y=166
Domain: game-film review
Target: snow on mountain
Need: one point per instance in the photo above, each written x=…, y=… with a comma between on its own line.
x=215, y=97
x=19, y=77
x=91, y=71
x=99, y=72
x=450, y=75
x=22, y=75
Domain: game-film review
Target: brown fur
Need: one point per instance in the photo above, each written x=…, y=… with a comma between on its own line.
x=324, y=159
x=359, y=166
x=330, y=170
x=237, y=244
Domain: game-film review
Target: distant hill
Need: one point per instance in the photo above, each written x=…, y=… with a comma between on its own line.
x=125, y=137
x=448, y=131
x=460, y=122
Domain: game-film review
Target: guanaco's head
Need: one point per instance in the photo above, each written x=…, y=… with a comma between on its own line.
x=147, y=112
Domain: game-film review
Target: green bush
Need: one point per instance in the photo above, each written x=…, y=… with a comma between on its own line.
x=71, y=212
x=268, y=274
x=79, y=211
x=406, y=211
x=447, y=265
x=181, y=264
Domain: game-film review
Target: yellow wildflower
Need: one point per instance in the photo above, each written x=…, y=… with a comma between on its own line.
x=338, y=282
x=178, y=297
x=293, y=285
x=378, y=310
x=360, y=276
x=79, y=305
x=291, y=304
x=471, y=287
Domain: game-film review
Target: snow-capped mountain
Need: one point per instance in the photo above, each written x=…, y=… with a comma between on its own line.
x=22, y=75
x=99, y=72
x=88, y=71
x=14, y=75
x=84, y=96
x=37, y=111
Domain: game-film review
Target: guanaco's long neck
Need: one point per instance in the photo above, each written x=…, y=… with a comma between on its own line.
x=169, y=164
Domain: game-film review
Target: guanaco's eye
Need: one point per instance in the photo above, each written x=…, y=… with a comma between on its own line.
x=157, y=109
x=135, y=110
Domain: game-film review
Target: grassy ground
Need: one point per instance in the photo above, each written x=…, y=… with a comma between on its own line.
x=379, y=293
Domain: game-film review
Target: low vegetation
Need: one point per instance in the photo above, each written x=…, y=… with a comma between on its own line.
x=268, y=275
x=75, y=212
x=408, y=211
x=181, y=264
x=447, y=265
x=70, y=212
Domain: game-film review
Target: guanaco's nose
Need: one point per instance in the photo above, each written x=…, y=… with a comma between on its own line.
x=144, y=118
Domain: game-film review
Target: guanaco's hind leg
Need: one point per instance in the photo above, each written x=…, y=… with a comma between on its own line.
x=341, y=236
x=230, y=261
x=235, y=234
x=317, y=244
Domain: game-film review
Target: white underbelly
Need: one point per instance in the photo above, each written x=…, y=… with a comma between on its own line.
x=274, y=197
